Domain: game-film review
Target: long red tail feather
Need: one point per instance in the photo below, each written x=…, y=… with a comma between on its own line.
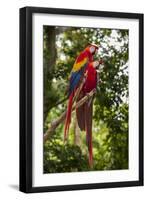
x=68, y=116
x=88, y=129
x=89, y=144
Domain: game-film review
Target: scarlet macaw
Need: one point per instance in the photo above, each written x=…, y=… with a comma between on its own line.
x=84, y=112
x=84, y=64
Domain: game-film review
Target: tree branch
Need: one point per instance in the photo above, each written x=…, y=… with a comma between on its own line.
x=60, y=119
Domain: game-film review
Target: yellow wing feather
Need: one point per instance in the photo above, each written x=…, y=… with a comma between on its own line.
x=79, y=65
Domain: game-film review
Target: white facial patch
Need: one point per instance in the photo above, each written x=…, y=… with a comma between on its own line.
x=92, y=49
x=95, y=64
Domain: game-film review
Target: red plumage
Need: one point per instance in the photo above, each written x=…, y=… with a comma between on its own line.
x=74, y=83
x=91, y=80
x=68, y=115
x=84, y=112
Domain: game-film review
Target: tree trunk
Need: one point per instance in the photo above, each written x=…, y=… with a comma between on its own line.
x=49, y=63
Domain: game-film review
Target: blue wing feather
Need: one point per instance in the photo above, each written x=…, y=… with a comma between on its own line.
x=75, y=78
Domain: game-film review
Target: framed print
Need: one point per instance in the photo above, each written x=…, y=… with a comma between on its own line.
x=81, y=99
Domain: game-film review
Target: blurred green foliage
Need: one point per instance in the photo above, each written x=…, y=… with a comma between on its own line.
x=110, y=116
